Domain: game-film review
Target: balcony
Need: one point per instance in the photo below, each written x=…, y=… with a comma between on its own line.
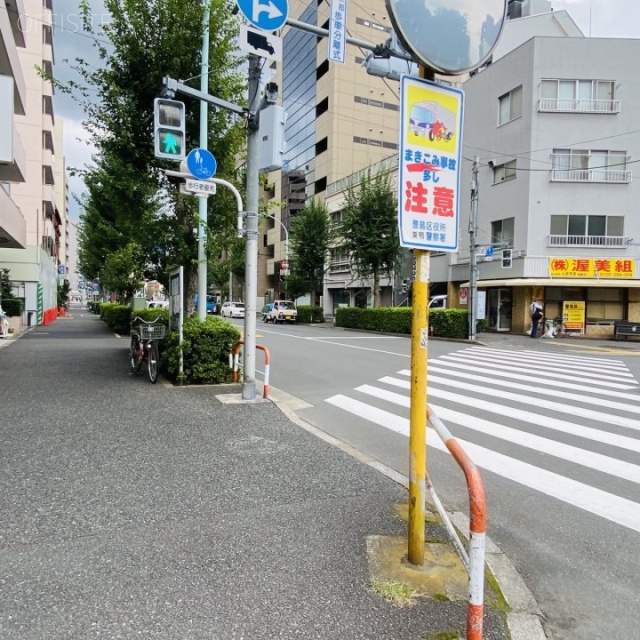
x=555, y=105
x=588, y=241
x=339, y=266
x=609, y=176
x=13, y=228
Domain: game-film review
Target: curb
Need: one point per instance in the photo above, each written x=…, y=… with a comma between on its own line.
x=524, y=621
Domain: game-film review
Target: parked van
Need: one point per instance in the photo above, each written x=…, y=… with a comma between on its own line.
x=438, y=302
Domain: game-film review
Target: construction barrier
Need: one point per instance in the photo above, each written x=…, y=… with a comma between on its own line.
x=477, y=526
x=234, y=358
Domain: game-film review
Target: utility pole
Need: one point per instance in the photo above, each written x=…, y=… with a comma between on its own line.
x=202, y=202
x=251, y=263
x=473, y=266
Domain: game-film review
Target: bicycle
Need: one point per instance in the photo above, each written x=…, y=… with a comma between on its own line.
x=144, y=346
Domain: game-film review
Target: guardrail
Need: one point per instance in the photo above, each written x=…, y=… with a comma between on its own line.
x=234, y=357
x=474, y=561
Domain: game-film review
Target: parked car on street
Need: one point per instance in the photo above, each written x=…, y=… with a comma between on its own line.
x=212, y=304
x=282, y=311
x=158, y=304
x=232, y=310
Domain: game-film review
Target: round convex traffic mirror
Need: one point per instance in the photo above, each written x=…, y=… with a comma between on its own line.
x=451, y=37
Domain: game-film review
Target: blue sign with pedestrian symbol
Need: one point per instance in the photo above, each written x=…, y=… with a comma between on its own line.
x=201, y=164
x=268, y=15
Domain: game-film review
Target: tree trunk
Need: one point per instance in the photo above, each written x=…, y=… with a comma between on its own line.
x=376, y=289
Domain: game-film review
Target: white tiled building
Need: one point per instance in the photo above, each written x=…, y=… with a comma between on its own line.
x=33, y=258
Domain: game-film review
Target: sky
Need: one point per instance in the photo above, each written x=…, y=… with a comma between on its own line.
x=613, y=18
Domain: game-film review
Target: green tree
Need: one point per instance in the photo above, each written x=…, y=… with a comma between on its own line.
x=310, y=237
x=370, y=230
x=5, y=285
x=123, y=271
x=129, y=199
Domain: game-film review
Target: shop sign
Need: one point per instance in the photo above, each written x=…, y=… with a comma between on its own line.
x=573, y=316
x=591, y=268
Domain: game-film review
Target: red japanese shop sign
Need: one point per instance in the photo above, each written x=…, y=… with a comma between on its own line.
x=429, y=174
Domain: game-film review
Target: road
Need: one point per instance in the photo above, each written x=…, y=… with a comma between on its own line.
x=555, y=429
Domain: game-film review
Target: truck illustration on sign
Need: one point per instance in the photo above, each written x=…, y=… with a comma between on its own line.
x=431, y=120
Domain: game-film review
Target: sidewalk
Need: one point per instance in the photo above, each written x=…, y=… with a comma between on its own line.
x=139, y=511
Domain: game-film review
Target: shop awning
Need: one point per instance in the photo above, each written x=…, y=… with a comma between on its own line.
x=558, y=282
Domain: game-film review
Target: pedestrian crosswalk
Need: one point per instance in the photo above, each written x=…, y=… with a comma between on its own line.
x=545, y=420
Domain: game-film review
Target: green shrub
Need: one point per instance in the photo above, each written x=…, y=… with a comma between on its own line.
x=310, y=314
x=205, y=347
x=449, y=323
x=117, y=317
x=13, y=306
x=444, y=323
x=386, y=319
x=94, y=306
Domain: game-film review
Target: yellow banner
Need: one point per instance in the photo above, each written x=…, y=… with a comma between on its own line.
x=592, y=268
x=573, y=315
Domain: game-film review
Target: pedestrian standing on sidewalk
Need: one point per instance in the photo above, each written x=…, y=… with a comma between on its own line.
x=537, y=310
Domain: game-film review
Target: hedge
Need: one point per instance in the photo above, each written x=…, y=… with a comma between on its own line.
x=444, y=323
x=13, y=306
x=205, y=346
x=310, y=314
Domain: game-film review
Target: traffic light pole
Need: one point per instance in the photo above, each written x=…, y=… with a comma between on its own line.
x=473, y=260
x=202, y=202
x=251, y=227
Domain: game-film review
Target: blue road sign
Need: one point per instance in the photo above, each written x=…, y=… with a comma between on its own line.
x=201, y=163
x=268, y=15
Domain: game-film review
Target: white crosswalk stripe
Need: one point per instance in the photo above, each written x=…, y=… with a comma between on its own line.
x=579, y=411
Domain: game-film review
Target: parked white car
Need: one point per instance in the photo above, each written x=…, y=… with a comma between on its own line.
x=158, y=304
x=281, y=311
x=232, y=310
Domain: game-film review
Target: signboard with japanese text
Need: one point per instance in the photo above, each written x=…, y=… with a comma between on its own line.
x=338, y=31
x=573, y=315
x=429, y=173
x=592, y=267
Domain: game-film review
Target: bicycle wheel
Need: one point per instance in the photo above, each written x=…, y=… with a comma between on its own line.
x=133, y=350
x=153, y=362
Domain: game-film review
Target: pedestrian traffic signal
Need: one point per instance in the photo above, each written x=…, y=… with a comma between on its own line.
x=169, y=129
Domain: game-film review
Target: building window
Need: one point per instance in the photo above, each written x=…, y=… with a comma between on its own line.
x=47, y=140
x=47, y=105
x=502, y=231
x=578, y=96
x=587, y=231
x=47, y=175
x=605, y=303
x=506, y=171
x=589, y=165
x=48, y=4
x=338, y=260
x=337, y=219
x=47, y=34
x=47, y=67
x=510, y=106
x=320, y=185
x=322, y=107
x=322, y=69
x=322, y=146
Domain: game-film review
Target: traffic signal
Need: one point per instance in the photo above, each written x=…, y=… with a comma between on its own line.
x=169, y=129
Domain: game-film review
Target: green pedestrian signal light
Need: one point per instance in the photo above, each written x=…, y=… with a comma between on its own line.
x=169, y=129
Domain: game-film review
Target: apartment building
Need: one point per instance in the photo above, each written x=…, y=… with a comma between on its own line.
x=34, y=262
x=13, y=99
x=339, y=120
x=554, y=122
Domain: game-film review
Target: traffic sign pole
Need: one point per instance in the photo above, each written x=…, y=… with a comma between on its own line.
x=202, y=202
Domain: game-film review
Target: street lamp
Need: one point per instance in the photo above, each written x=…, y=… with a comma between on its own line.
x=286, y=239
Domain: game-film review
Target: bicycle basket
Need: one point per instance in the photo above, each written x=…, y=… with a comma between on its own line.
x=152, y=331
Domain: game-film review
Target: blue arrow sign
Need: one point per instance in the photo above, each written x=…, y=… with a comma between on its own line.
x=201, y=164
x=268, y=15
